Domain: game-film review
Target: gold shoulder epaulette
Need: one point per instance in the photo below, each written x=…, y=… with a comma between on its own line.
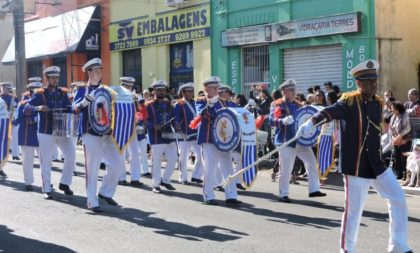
x=39, y=90
x=380, y=100
x=64, y=90
x=151, y=101
x=180, y=101
x=278, y=101
x=349, y=97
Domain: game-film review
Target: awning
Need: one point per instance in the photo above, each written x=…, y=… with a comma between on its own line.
x=59, y=34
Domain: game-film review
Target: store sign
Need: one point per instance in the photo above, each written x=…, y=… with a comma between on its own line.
x=92, y=43
x=338, y=24
x=168, y=27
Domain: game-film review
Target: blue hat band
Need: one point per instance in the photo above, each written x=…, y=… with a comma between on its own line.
x=367, y=77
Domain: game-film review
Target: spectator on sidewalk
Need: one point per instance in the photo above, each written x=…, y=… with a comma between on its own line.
x=400, y=127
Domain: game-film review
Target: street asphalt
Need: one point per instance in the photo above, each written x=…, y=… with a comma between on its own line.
x=178, y=221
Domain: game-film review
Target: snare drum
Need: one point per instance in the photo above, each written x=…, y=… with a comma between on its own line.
x=64, y=124
x=173, y=136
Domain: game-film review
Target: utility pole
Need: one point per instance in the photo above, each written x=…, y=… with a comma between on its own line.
x=20, y=55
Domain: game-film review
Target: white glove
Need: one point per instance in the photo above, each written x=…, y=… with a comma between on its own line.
x=305, y=129
x=288, y=120
x=213, y=101
x=87, y=100
x=251, y=102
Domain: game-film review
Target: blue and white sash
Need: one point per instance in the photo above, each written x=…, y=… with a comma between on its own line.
x=325, y=151
x=123, y=118
x=248, y=144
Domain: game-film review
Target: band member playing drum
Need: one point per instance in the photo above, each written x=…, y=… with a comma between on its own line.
x=184, y=113
x=222, y=173
x=133, y=148
x=207, y=107
x=281, y=117
x=28, y=140
x=97, y=145
x=47, y=101
x=159, y=127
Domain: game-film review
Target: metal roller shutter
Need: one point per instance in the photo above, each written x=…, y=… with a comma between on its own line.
x=313, y=66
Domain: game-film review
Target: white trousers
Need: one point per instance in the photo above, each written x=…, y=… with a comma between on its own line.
x=212, y=158
x=287, y=158
x=171, y=157
x=144, y=165
x=28, y=163
x=184, y=148
x=47, y=143
x=133, y=149
x=55, y=153
x=14, y=142
x=96, y=149
x=237, y=159
x=356, y=192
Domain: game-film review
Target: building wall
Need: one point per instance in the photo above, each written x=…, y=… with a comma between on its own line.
x=398, y=45
x=227, y=62
x=155, y=59
x=74, y=60
x=7, y=72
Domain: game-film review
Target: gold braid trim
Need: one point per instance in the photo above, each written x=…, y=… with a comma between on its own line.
x=380, y=100
x=349, y=97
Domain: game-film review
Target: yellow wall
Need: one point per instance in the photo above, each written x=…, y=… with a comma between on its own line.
x=202, y=62
x=398, y=45
x=155, y=59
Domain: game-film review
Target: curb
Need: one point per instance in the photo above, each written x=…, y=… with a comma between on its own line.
x=411, y=190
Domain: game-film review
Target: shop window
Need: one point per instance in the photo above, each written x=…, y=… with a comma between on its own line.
x=132, y=67
x=34, y=68
x=181, y=64
x=255, y=67
x=62, y=64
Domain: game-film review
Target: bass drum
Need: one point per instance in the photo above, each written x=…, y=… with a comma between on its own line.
x=100, y=111
x=231, y=127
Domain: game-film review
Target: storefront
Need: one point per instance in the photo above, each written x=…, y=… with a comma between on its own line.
x=66, y=40
x=310, y=41
x=171, y=44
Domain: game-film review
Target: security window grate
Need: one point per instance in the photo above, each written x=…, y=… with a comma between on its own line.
x=255, y=67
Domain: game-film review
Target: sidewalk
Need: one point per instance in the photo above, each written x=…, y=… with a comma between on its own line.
x=336, y=179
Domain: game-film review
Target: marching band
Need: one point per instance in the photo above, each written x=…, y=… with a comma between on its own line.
x=175, y=129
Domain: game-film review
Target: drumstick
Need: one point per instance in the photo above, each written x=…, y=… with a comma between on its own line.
x=167, y=122
x=239, y=172
x=55, y=109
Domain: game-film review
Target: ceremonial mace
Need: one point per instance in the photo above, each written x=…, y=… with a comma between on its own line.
x=239, y=172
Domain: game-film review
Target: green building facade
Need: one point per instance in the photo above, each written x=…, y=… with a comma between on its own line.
x=311, y=41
